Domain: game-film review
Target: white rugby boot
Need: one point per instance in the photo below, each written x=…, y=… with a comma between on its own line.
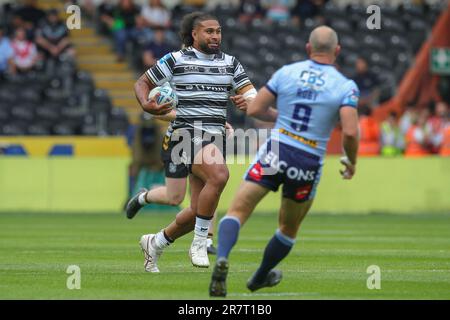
x=151, y=254
x=198, y=252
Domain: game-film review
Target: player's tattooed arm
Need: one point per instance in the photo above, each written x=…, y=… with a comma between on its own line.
x=261, y=106
x=142, y=87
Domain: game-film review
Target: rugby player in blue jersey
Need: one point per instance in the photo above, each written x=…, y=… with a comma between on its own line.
x=311, y=96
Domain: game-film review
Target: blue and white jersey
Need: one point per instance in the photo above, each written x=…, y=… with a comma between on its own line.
x=309, y=96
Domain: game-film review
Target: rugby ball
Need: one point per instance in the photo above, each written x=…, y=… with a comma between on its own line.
x=166, y=94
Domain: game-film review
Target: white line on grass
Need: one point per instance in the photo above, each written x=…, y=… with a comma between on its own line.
x=275, y=294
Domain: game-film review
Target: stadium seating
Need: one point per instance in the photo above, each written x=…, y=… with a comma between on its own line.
x=60, y=103
x=354, y=36
x=50, y=94
x=57, y=98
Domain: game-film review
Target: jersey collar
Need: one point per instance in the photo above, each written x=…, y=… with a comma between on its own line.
x=201, y=55
x=323, y=64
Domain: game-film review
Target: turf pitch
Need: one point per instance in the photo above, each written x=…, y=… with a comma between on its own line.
x=329, y=261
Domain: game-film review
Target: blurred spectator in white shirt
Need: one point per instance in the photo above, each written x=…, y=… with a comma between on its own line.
x=156, y=14
x=25, y=52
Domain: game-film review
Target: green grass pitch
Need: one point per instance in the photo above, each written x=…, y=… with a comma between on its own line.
x=329, y=261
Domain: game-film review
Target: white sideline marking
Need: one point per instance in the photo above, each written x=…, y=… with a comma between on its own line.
x=275, y=294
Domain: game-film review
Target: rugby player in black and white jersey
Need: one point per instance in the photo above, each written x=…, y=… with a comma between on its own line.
x=203, y=78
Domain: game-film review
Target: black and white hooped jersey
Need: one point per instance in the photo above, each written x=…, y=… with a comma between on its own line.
x=203, y=83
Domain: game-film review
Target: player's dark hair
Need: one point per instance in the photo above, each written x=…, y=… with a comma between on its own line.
x=189, y=22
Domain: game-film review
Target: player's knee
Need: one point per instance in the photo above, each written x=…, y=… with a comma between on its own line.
x=220, y=178
x=176, y=199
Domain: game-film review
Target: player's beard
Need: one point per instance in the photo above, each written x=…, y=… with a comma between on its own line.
x=204, y=47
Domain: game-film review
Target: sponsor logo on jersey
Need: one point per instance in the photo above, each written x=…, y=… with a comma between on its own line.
x=197, y=140
x=191, y=69
x=293, y=173
x=209, y=88
x=303, y=192
x=354, y=97
x=256, y=172
x=172, y=167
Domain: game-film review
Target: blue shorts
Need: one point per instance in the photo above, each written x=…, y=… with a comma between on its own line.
x=278, y=163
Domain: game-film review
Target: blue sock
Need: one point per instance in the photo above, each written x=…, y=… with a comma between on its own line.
x=228, y=234
x=276, y=250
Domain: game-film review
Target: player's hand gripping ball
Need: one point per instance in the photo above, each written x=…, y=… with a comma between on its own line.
x=164, y=95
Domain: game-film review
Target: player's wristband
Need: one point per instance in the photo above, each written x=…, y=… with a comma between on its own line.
x=250, y=94
x=347, y=161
